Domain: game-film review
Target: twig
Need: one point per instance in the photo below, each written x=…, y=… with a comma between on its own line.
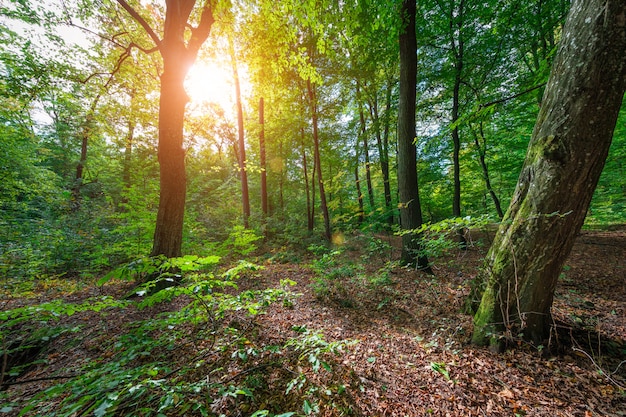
x=575, y=349
x=618, y=366
x=514, y=96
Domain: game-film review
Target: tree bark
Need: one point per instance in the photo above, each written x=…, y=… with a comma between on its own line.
x=84, y=146
x=317, y=158
x=168, y=235
x=310, y=214
x=264, y=203
x=482, y=150
x=366, y=152
x=383, y=149
x=409, y=202
x=241, y=155
x=357, y=182
x=78, y=180
x=178, y=56
x=565, y=158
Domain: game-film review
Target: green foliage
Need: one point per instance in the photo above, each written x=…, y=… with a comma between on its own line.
x=24, y=331
x=159, y=267
x=104, y=387
x=440, y=367
x=609, y=201
x=144, y=373
x=312, y=348
x=332, y=273
x=377, y=249
x=439, y=238
x=241, y=241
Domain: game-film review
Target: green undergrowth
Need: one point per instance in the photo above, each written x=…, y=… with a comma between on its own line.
x=340, y=277
x=193, y=349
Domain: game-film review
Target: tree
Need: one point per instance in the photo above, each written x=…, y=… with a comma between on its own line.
x=410, y=208
x=241, y=143
x=179, y=48
x=317, y=160
x=262, y=157
x=564, y=161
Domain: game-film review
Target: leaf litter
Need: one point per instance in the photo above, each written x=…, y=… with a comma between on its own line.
x=412, y=356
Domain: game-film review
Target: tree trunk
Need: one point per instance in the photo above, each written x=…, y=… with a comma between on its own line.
x=241, y=155
x=458, y=48
x=264, y=204
x=409, y=202
x=84, y=145
x=565, y=158
x=482, y=150
x=178, y=56
x=318, y=163
x=366, y=152
x=383, y=149
x=78, y=179
x=357, y=182
x=168, y=235
x=310, y=215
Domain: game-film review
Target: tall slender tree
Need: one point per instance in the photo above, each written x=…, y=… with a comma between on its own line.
x=317, y=158
x=262, y=157
x=409, y=203
x=241, y=143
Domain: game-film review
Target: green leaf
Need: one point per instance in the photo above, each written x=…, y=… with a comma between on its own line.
x=102, y=408
x=440, y=367
x=306, y=407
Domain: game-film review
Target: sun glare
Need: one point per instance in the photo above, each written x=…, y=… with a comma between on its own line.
x=210, y=83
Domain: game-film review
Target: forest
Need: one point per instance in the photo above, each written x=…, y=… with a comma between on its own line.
x=312, y=208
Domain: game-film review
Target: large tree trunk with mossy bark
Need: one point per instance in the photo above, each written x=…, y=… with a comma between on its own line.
x=565, y=158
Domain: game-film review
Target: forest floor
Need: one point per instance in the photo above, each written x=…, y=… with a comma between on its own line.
x=412, y=355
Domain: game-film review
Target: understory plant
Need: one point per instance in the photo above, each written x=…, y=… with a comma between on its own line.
x=438, y=239
x=204, y=358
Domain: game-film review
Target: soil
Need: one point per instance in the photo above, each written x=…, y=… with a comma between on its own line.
x=413, y=356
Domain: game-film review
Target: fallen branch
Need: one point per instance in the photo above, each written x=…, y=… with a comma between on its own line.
x=608, y=376
x=43, y=378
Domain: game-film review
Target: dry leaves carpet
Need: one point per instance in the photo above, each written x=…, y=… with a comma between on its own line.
x=413, y=356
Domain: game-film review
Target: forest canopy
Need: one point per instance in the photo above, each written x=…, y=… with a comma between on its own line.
x=80, y=89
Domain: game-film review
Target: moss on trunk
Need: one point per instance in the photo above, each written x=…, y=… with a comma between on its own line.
x=564, y=161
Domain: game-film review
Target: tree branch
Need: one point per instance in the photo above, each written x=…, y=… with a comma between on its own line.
x=141, y=21
x=125, y=55
x=505, y=99
x=201, y=33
